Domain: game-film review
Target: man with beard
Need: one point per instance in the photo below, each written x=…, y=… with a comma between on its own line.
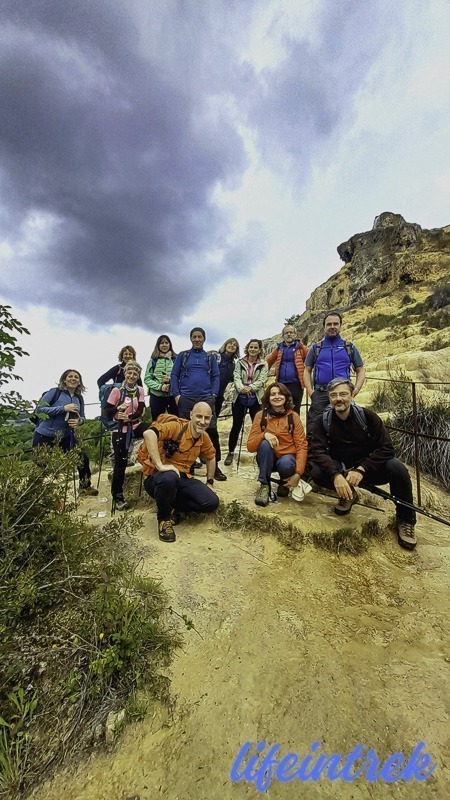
x=350, y=445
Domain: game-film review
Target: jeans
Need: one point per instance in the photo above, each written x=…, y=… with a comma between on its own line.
x=268, y=463
x=171, y=491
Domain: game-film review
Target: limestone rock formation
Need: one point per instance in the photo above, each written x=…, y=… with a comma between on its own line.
x=394, y=258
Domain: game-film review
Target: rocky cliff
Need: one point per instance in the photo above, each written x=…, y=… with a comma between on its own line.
x=394, y=289
x=394, y=293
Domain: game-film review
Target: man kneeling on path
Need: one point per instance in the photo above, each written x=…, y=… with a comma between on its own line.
x=171, y=446
x=349, y=445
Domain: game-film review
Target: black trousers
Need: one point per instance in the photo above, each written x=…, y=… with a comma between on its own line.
x=185, y=406
x=318, y=403
x=119, y=443
x=66, y=444
x=162, y=405
x=181, y=493
x=392, y=472
x=239, y=411
x=296, y=391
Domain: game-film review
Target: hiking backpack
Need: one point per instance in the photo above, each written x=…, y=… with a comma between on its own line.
x=34, y=417
x=185, y=356
x=360, y=416
x=109, y=423
x=290, y=421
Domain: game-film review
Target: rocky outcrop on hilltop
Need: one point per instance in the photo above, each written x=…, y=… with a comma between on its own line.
x=394, y=257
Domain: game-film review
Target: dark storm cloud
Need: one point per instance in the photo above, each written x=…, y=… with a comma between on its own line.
x=304, y=104
x=108, y=166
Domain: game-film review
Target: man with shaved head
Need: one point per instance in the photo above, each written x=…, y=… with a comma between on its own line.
x=171, y=446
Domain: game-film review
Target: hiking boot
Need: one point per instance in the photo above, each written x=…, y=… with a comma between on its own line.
x=405, y=535
x=262, y=495
x=282, y=491
x=219, y=476
x=166, y=531
x=345, y=506
x=88, y=490
x=229, y=459
x=121, y=504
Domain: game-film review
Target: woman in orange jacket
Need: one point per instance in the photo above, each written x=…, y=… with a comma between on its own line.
x=278, y=439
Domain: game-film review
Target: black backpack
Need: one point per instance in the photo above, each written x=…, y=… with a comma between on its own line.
x=35, y=418
x=290, y=421
x=360, y=416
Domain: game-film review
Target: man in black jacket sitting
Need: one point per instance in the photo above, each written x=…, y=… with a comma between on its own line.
x=349, y=445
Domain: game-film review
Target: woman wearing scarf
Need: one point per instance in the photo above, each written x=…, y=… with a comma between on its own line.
x=125, y=405
x=278, y=439
x=226, y=358
x=157, y=378
x=250, y=375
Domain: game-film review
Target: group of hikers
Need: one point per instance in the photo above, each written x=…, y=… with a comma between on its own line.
x=344, y=446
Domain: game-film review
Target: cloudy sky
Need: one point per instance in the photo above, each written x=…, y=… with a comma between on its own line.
x=165, y=163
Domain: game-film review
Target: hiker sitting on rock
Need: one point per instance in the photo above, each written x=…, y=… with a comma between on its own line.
x=350, y=445
x=61, y=412
x=278, y=439
x=171, y=447
x=125, y=405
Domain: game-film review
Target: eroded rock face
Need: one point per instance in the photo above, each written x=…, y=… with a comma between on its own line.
x=393, y=255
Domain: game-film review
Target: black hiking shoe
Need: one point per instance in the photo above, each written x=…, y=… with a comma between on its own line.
x=165, y=531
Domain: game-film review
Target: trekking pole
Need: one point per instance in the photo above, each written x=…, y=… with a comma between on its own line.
x=404, y=503
x=74, y=488
x=242, y=436
x=102, y=450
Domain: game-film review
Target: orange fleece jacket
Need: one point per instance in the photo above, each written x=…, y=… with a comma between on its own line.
x=294, y=443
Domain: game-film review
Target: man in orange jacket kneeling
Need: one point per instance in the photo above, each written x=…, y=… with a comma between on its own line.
x=171, y=446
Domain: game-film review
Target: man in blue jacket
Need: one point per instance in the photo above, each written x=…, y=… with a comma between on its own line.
x=332, y=357
x=194, y=378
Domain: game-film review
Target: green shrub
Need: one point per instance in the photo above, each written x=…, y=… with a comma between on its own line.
x=78, y=622
x=378, y=322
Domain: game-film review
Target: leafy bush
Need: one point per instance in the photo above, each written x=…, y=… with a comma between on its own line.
x=80, y=628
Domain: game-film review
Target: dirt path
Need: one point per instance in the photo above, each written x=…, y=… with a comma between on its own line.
x=295, y=648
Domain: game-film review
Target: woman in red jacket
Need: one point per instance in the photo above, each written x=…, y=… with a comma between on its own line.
x=278, y=439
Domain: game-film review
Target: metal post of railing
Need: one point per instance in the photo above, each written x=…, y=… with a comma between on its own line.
x=416, y=441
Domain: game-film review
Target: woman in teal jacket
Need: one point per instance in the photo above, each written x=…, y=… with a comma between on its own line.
x=157, y=378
